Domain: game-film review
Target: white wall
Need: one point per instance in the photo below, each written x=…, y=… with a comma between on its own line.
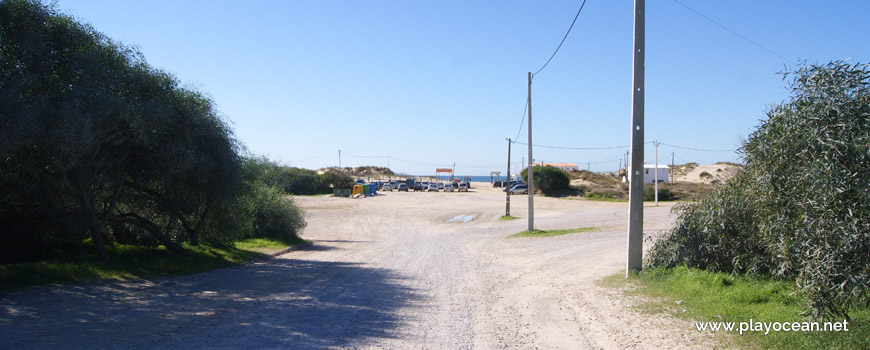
x=649, y=175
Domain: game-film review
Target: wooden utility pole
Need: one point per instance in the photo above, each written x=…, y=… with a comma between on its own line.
x=507, y=198
x=531, y=163
x=635, y=194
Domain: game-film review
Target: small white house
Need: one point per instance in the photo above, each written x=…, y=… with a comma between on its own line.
x=649, y=173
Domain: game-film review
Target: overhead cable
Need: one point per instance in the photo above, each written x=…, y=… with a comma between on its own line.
x=563, y=38
x=733, y=32
x=697, y=149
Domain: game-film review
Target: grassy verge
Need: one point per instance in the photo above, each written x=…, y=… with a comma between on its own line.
x=712, y=297
x=550, y=233
x=508, y=217
x=129, y=261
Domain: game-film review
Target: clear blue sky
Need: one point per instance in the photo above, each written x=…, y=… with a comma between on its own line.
x=439, y=82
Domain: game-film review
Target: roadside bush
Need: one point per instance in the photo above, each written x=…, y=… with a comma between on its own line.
x=338, y=179
x=649, y=193
x=799, y=208
x=273, y=214
x=548, y=179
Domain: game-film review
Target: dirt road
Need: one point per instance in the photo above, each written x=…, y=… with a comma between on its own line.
x=385, y=272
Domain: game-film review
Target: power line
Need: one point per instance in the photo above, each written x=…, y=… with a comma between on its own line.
x=352, y=155
x=315, y=158
x=577, y=148
x=698, y=149
x=563, y=38
x=522, y=120
x=733, y=32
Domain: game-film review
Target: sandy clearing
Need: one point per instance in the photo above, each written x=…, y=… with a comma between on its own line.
x=387, y=272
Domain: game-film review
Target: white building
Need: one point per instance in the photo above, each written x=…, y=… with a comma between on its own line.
x=563, y=166
x=649, y=173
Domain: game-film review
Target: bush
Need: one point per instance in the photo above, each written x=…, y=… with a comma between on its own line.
x=337, y=179
x=548, y=179
x=649, y=193
x=799, y=208
x=274, y=215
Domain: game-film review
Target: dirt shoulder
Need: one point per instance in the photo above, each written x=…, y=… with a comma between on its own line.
x=383, y=272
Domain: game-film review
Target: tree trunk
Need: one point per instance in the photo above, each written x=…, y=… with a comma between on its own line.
x=152, y=229
x=96, y=227
x=193, y=233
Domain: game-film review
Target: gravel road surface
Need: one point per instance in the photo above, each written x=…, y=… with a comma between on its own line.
x=386, y=272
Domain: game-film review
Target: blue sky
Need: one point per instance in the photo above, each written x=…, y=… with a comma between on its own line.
x=433, y=83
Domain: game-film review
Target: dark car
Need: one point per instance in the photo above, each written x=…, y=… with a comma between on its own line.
x=418, y=187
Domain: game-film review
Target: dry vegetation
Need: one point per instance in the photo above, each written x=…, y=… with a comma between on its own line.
x=691, y=180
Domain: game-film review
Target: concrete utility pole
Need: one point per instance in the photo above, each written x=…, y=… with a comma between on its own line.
x=531, y=162
x=339, y=159
x=507, y=198
x=635, y=194
x=656, y=175
x=671, y=170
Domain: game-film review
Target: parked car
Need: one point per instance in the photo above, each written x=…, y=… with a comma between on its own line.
x=425, y=185
x=448, y=188
x=520, y=188
x=387, y=187
x=394, y=183
x=360, y=182
x=432, y=188
x=512, y=184
x=403, y=187
x=418, y=187
x=462, y=187
x=440, y=185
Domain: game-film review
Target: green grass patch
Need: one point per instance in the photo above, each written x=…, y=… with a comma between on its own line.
x=129, y=261
x=711, y=297
x=550, y=233
x=507, y=217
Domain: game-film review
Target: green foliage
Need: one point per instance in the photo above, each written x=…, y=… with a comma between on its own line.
x=134, y=261
x=548, y=179
x=550, y=233
x=665, y=194
x=99, y=146
x=338, y=179
x=706, y=296
x=798, y=210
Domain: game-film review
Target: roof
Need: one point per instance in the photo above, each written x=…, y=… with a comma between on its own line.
x=561, y=164
x=661, y=166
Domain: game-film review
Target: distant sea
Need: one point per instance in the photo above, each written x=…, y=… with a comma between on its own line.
x=479, y=178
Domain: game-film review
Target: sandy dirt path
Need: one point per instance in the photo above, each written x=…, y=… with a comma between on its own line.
x=387, y=272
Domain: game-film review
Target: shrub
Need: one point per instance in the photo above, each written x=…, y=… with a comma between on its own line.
x=799, y=208
x=649, y=193
x=548, y=179
x=337, y=179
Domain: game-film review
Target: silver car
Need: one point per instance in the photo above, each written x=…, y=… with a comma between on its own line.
x=448, y=188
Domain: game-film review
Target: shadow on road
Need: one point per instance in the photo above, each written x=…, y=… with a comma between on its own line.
x=277, y=303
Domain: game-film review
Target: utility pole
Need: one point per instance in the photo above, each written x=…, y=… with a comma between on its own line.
x=588, y=167
x=339, y=159
x=656, y=175
x=635, y=194
x=507, y=198
x=531, y=162
x=671, y=170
